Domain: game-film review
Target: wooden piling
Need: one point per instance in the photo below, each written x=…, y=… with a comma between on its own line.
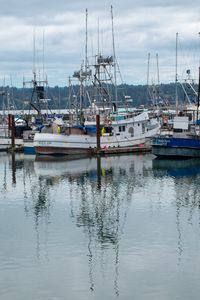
x=11, y=127
x=98, y=133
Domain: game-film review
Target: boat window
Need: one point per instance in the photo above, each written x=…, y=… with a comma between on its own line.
x=131, y=131
x=122, y=128
x=143, y=128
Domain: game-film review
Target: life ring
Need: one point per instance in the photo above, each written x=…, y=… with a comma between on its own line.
x=165, y=120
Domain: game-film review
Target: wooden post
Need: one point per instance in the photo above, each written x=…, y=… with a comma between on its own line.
x=9, y=121
x=12, y=132
x=98, y=172
x=13, y=168
x=98, y=132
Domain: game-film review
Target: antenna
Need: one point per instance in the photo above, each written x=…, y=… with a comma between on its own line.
x=86, y=40
x=98, y=37
x=148, y=64
x=114, y=57
x=158, y=74
x=198, y=98
x=43, y=55
x=176, y=76
x=34, y=51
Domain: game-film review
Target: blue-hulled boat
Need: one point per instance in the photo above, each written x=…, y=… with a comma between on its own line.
x=183, y=141
x=175, y=147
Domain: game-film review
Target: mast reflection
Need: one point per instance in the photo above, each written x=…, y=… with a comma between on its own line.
x=102, y=210
x=185, y=175
x=100, y=193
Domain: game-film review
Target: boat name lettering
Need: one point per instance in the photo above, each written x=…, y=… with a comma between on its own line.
x=161, y=141
x=43, y=143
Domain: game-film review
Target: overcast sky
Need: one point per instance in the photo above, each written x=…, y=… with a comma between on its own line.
x=141, y=27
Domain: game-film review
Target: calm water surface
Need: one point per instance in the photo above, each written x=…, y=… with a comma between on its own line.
x=123, y=227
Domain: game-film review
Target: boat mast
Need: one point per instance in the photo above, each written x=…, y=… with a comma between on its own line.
x=158, y=83
x=34, y=55
x=148, y=64
x=114, y=59
x=198, y=97
x=158, y=73
x=43, y=55
x=86, y=41
x=176, y=76
x=98, y=49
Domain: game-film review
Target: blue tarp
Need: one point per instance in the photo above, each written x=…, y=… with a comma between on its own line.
x=197, y=122
x=89, y=128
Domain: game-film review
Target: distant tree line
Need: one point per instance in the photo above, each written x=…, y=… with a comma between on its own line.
x=66, y=97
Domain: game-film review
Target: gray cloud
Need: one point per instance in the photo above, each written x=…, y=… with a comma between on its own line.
x=140, y=28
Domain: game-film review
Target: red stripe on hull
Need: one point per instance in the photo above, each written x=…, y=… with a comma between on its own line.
x=62, y=151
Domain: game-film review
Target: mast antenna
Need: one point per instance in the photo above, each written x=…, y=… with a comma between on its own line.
x=43, y=55
x=158, y=77
x=158, y=73
x=34, y=51
x=86, y=40
x=98, y=38
x=176, y=75
x=114, y=57
x=198, y=97
x=148, y=64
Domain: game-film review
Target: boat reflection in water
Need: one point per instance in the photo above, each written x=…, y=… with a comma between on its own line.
x=98, y=227
x=100, y=195
x=176, y=167
x=186, y=175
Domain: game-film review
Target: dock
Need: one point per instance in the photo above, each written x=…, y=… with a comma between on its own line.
x=134, y=149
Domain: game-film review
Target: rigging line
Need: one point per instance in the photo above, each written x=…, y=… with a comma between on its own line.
x=185, y=92
x=191, y=86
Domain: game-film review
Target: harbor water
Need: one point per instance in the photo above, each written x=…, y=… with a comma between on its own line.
x=116, y=227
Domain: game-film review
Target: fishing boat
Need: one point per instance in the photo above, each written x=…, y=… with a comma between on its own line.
x=184, y=139
x=119, y=127
x=120, y=131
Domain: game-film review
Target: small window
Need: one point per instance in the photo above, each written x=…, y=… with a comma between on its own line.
x=122, y=128
x=143, y=128
x=131, y=131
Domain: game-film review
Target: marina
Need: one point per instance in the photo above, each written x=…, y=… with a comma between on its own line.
x=99, y=151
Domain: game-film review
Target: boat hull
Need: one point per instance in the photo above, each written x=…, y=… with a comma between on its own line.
x=55, y=144
x=62, y=151
x=124, y=134
x=176, y=147
x=29, y=148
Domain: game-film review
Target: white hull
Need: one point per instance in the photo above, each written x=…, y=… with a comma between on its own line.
x=125, y=132
x=51, y=143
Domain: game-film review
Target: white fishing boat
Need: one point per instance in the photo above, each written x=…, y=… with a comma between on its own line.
x=120, y=131
x=117, y=129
